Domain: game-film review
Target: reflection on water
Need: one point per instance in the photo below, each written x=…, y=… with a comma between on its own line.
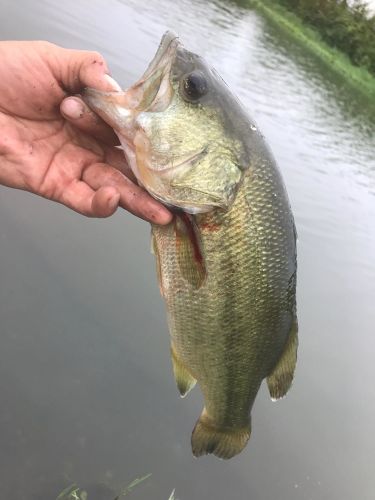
x=86, y=388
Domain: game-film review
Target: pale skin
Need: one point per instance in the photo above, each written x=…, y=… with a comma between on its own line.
x=52, y=144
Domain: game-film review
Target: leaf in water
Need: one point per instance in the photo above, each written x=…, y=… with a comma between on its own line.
x=134, y=483
x=138, y=480
x=72, y=493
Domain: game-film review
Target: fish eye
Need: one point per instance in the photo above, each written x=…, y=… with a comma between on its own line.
x=193, y=86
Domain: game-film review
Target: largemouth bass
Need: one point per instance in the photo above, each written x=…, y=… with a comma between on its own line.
x=227, y=263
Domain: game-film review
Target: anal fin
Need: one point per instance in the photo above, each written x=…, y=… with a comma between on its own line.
x=281, y=378
x=184, y=380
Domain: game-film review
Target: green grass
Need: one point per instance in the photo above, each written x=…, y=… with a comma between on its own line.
x=358, y=77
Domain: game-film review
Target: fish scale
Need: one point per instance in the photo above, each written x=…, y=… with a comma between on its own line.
x=225, y=331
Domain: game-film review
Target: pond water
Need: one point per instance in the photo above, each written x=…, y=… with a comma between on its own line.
x=86, y=388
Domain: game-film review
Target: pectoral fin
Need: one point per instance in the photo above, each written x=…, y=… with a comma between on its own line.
x=189, y=251
x=184, y=380
x=281, y=378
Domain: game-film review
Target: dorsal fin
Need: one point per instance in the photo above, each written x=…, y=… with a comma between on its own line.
x=189, y=250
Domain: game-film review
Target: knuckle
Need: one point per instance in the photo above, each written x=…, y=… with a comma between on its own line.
x=116, y=177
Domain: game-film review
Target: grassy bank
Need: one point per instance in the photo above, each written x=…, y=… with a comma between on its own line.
x=358, y=77
x=347, y=27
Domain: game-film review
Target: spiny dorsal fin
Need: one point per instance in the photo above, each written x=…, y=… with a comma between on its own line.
x=184, y=380
x=189, y=250
x=281, y=378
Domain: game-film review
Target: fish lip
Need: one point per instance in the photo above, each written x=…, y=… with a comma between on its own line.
x=170, y=40
x=161, y=63
x=155, y=85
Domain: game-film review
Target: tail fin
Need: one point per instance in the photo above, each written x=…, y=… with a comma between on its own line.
x=222, y=442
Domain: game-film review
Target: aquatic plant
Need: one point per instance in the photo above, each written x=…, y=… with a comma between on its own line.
x=128, y=489
x=73, y=492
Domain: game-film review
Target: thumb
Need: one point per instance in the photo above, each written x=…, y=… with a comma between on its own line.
x=77, y=69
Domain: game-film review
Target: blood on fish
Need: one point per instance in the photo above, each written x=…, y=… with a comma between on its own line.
x=209, y=226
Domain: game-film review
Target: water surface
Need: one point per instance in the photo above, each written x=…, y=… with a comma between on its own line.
x=87, y=392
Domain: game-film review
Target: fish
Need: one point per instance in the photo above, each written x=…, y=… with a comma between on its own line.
x=227, y=263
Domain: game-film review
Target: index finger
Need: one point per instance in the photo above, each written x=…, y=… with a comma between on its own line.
x=132, y=197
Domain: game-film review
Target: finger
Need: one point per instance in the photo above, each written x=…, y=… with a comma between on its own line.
x=116, y=158
x=86, y=201
x=132, y=198
x=105, y=202
x=81, y=116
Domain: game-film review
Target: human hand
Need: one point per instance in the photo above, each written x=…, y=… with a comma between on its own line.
x=66, y=155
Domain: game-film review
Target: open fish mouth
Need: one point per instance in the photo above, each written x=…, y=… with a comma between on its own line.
x=166, y=49
x=152, y=92
x=154, y=87
x=130, y=113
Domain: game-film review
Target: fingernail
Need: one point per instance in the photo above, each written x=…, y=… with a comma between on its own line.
x=112, y=83
x=72, y=108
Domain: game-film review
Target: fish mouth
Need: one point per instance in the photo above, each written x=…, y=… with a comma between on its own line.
x=154, y=88
x=167, y=48
x=152, y=92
